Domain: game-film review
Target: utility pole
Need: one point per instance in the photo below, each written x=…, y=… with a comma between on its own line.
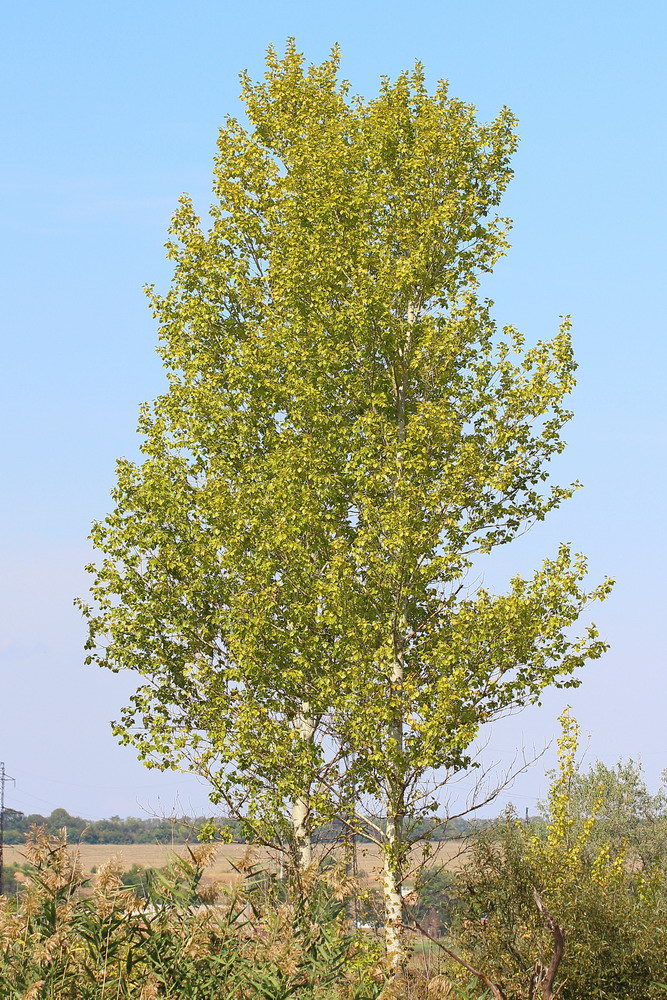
x=3, y=778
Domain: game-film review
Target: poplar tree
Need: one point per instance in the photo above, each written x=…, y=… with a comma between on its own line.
x=345, y=430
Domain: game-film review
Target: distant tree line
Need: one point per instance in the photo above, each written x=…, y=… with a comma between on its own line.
x=132, y=830
x=166, y=830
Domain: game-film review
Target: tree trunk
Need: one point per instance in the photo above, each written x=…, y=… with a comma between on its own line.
x=394, y=847
x=392, y=887
x=394, y=856
x=301, y=805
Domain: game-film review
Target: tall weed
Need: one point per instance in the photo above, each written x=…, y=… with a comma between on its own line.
x=64, y=939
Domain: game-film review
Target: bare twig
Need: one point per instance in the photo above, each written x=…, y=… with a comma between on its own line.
x=496, y=990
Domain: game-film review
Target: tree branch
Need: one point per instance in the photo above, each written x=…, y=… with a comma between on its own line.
x=496, y=990
x=545, y=976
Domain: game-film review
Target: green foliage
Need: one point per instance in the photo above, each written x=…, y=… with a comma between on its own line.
x=188, y=829
x=344, y=430
x=139, y=880
x=10, y=884
x=344, y=424
x=627, y=816
x=436, y=900
x=612, y=910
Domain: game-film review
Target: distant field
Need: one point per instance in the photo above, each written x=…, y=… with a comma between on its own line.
x=449, y=852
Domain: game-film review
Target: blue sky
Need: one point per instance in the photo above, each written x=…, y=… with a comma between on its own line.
x=109, y=113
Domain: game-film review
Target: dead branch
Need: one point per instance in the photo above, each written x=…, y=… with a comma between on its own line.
x=544, y=976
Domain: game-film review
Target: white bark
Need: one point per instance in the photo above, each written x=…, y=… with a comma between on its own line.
x=301, y=805
x=393, y=898
x=394, y=846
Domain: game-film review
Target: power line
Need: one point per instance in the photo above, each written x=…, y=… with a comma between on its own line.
x=3, y=778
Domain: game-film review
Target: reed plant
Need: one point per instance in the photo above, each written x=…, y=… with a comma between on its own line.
x=66, y=938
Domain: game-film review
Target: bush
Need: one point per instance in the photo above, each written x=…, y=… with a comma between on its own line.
x=139, y=879
x=611, y=906
x=435, y=903
x=10, y=884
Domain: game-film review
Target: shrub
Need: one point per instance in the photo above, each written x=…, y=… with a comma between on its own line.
x=10, y=884
x=435, y=903
x=612, y=910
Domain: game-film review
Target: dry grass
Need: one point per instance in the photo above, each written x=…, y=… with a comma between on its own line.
x=448, y=853
x=265, y=941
